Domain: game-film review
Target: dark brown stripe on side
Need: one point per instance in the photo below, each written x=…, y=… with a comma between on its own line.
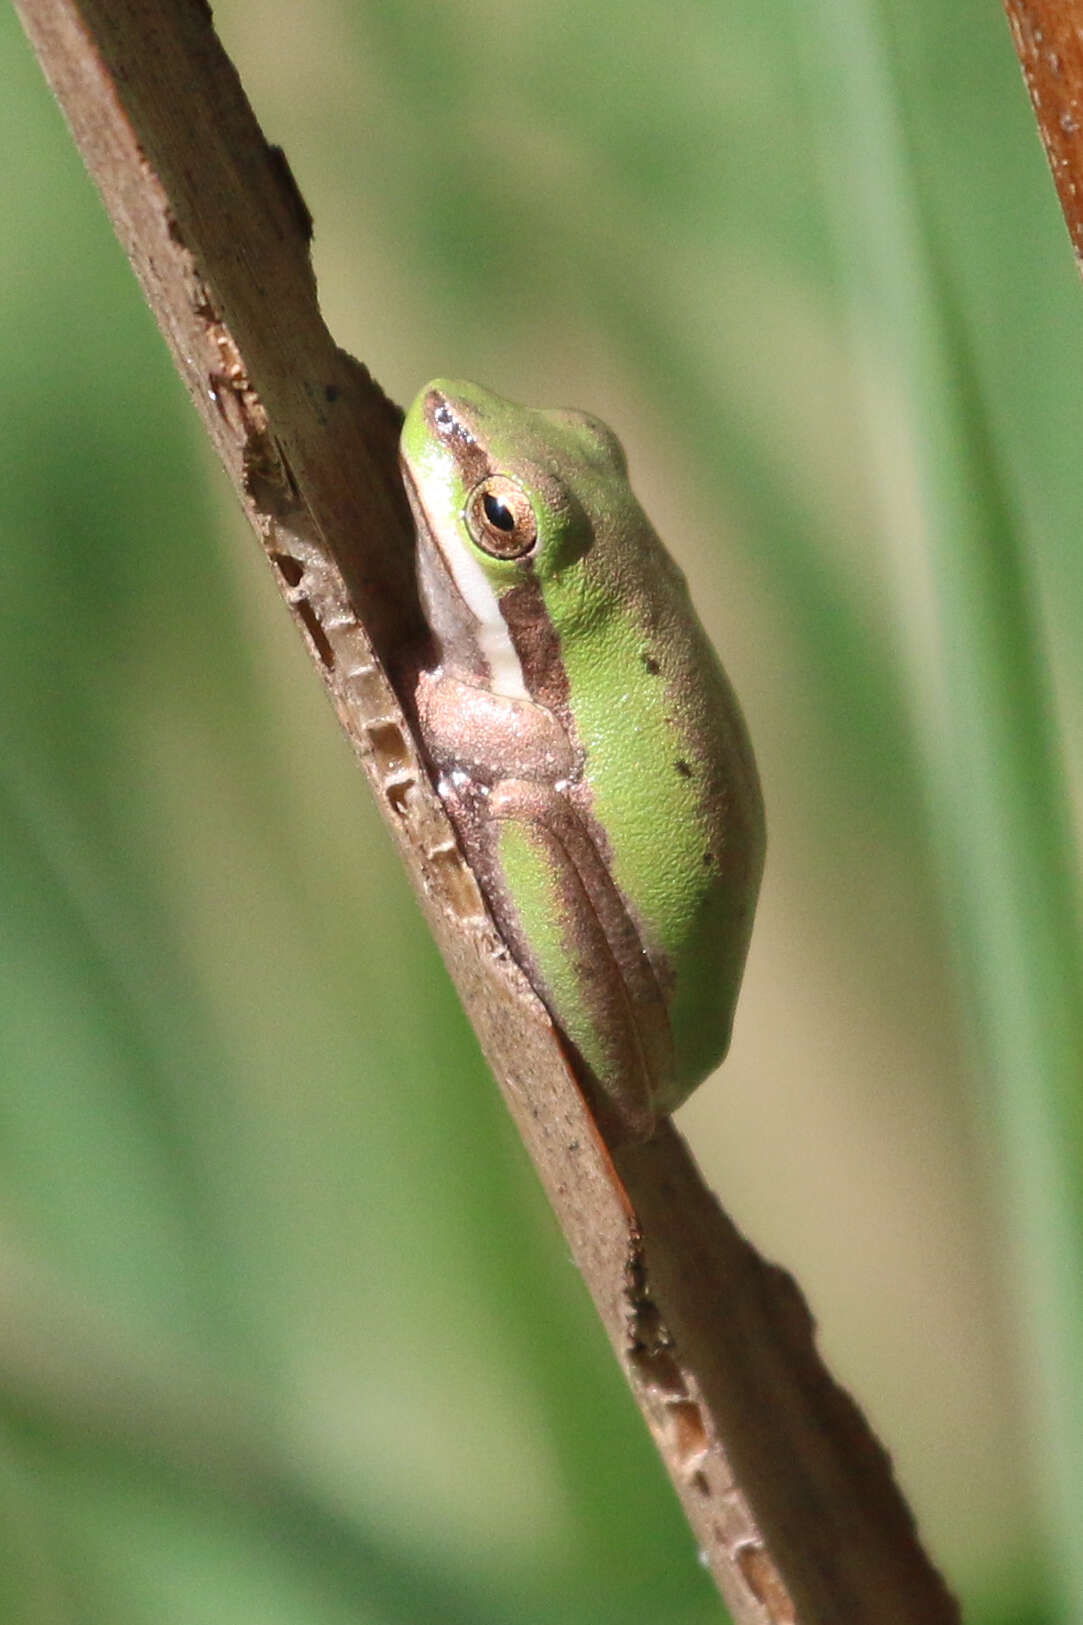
x=538, y=647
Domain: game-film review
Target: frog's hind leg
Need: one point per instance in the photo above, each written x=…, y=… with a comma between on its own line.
x=582, y=950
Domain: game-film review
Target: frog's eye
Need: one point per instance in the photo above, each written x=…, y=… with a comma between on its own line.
x=500, y=518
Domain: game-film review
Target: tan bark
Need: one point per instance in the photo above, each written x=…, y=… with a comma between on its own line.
x=790, y=1497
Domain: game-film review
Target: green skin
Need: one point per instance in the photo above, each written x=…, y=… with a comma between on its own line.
x=586, y=741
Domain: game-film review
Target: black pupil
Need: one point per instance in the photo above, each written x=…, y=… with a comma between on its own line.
x=497, y=512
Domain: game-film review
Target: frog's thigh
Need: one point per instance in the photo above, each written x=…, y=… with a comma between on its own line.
x=579, y=941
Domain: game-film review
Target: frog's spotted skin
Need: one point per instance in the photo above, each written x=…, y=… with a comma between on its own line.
x=589, y=747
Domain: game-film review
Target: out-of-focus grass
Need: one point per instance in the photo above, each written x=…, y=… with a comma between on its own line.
x=286, y=1334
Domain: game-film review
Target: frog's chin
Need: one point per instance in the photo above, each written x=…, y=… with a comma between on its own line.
x=449, y=619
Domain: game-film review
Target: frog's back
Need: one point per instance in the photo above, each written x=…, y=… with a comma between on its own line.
x=674, y=788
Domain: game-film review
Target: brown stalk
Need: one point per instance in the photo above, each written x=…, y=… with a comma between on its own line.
x=789, y=1495
x=1048, y=36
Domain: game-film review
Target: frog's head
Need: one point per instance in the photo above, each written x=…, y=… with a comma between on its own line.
x=508, y=500
x=520, y=489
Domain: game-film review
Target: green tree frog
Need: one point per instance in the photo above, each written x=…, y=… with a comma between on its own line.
x=586, y=742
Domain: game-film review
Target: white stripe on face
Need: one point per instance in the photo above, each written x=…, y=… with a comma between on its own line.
x=505, y=669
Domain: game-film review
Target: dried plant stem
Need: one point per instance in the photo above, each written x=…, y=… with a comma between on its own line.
x=789, y=1495
x=1048, y=36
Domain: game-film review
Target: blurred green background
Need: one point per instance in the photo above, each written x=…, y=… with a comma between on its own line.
x=287, y=1334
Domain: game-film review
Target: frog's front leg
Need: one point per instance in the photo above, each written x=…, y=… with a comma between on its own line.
x=573, y=933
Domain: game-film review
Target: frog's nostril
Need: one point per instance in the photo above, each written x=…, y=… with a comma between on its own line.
x=439, y=413
x=452, y=425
